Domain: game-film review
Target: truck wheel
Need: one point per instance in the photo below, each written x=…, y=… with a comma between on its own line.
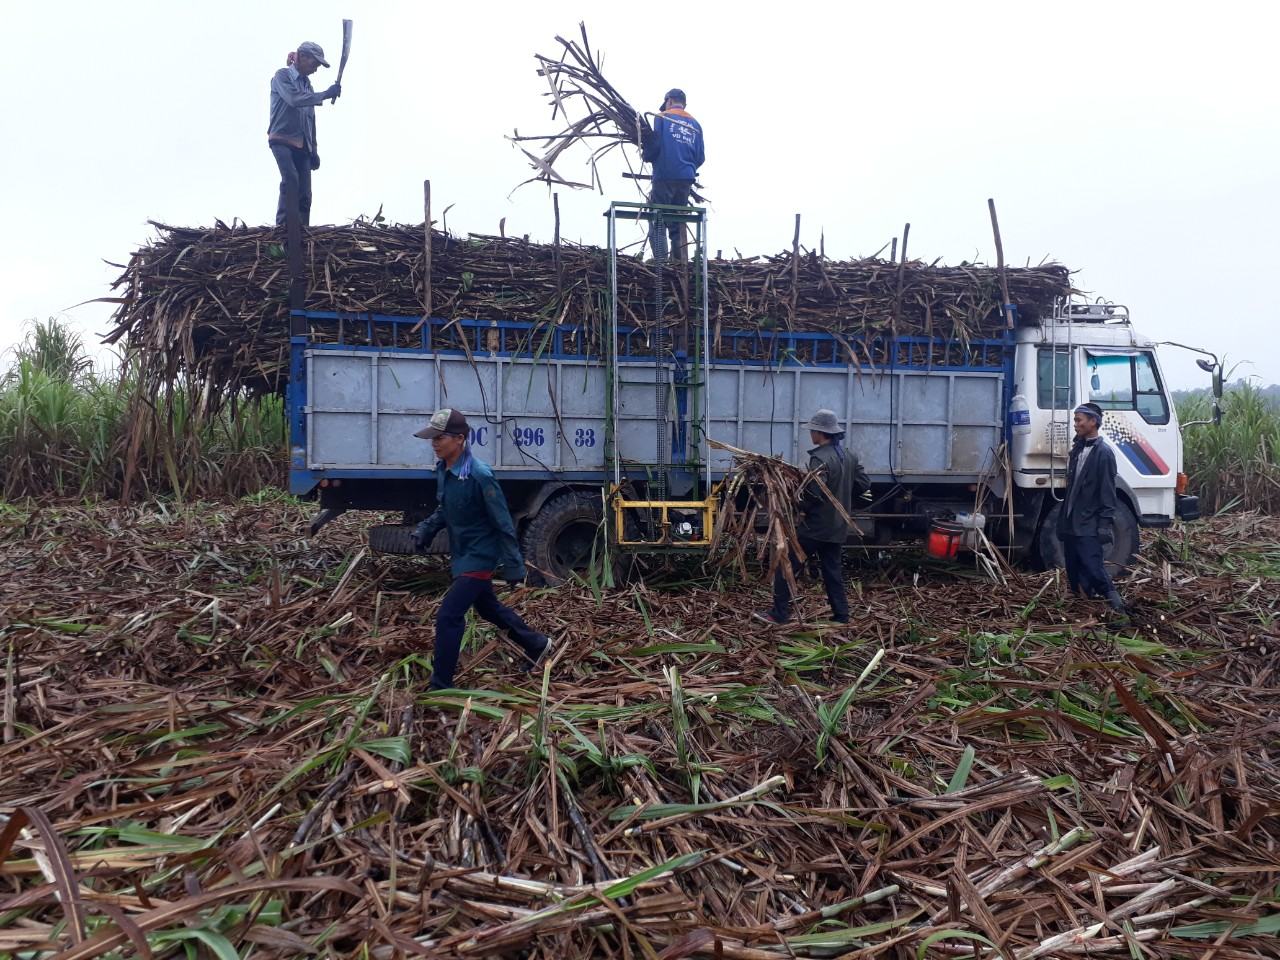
x=1120, y=555
x=392, y=539
x=562, y=536
x=397, y=539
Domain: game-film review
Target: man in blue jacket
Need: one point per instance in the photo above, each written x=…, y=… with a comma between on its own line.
x=482, y=541
x=1086, y=519
x=675, y=149
x=291, y=129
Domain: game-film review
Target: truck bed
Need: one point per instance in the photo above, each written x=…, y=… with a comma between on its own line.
x=916, y=409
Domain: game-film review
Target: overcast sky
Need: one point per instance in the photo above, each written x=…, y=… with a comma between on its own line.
x=1136, y=142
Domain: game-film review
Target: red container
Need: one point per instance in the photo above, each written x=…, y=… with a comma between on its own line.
x=943, y=541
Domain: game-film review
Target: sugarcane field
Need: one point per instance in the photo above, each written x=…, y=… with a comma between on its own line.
x=525, y=536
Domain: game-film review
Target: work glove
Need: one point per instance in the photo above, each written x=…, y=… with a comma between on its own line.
x=315, y=161
x=421, y=537
x=335, y=90
x=1106, y=536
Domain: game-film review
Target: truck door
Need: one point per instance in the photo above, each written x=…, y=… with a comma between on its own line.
x=1138, y=422
x=1046, y=378
x=1055, y=393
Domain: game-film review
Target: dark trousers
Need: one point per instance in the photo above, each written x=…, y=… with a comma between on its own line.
x=829, y=561
x=676, y=194
x=1086, y=566
x=295, y=170
x=463, y=594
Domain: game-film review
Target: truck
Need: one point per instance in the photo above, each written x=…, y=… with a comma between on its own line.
x=606, y=451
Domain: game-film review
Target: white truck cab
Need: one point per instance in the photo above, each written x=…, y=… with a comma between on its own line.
x=1091, y=352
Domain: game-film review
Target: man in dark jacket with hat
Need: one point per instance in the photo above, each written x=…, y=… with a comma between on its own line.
x=823, y=530
x=482, y=541
x=675, y=149
x=291, y=130
x=1086, y=519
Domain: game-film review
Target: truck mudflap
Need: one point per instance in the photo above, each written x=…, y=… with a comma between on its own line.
x=1188, y=507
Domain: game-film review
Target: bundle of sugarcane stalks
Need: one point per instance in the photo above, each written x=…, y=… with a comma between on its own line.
x=227, y=744
x=606, y=122
x=210, y=305
x=768, y=491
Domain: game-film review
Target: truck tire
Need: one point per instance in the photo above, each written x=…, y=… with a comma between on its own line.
x=559, y=540
x=397, y=539
x=1120, y=555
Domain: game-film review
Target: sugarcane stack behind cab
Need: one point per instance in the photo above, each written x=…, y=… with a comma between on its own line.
x=957, y=434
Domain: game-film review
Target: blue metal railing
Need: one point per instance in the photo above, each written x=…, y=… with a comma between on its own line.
x=518, y=338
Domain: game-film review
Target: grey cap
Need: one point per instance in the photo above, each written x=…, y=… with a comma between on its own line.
x=675, y=93
x=313, y=49
x=824, y=421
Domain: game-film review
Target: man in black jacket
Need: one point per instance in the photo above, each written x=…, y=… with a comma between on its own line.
x=823, y=530
x=1086, y=519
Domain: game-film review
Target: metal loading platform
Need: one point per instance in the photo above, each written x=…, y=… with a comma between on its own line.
x=678, y=506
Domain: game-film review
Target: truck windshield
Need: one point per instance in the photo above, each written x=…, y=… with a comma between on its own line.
x=1127, y=382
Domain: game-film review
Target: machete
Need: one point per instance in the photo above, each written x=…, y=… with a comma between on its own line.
x=346, y=52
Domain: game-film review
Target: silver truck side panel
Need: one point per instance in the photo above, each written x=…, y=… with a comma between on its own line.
x=365, y=404
x=898, y=423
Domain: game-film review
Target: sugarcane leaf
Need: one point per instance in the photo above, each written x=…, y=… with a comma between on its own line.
x=961, y=776
x=1265, y=926
x=848, y=935
x=631, y=884
x=219, y=945
x=662, y=648
x=940, y=935
x=389, y=748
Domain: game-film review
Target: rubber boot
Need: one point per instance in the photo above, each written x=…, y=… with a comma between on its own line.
x=1121, y=612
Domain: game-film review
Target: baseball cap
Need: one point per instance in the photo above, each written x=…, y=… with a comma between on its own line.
x=675, y=93
x=444, y=420
x=313, y=49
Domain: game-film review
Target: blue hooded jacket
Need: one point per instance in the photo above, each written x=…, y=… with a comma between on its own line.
x=675, y=147
x=472, y=507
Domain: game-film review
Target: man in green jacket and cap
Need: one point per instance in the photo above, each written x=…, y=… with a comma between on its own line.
x=822, y=529
x=482, y=542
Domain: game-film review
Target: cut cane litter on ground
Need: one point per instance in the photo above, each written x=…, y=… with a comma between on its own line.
x=217, y=733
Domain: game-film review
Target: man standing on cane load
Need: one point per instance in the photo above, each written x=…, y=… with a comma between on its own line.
x=675, y=149
x=482, y=541
x=1086, y=517
x=823, y=530
x=291, y=131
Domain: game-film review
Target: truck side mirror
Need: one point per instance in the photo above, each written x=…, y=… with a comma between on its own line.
x=1214, y=370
